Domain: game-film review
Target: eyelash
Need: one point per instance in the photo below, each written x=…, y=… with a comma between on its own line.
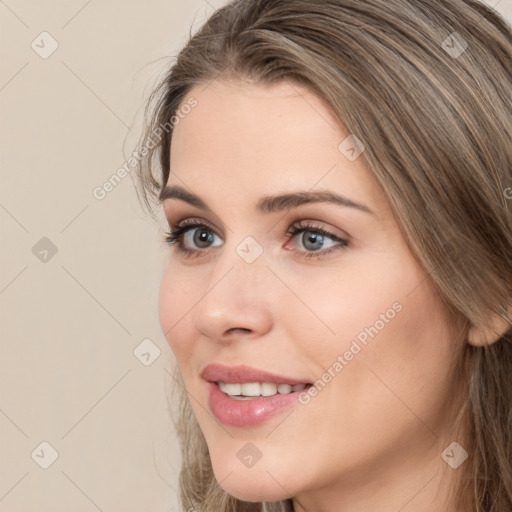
x=175, y=238
x=300, y=227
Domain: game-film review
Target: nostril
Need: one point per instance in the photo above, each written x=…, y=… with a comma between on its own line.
x=238, y=330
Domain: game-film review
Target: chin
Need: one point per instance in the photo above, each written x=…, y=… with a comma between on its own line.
x=246, y=489
x=254, y=484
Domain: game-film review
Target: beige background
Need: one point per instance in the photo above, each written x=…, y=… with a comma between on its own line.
x=70, y=321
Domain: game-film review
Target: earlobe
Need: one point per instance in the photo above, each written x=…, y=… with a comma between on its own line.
x=495, y=329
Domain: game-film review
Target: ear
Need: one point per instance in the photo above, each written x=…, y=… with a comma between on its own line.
x=496, y=327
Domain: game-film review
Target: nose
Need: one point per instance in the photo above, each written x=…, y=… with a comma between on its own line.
x=236, y=303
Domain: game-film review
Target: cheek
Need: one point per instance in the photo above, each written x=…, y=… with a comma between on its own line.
x=178, y=294
x=409, y=373
x=386, y=321
x=362, y=294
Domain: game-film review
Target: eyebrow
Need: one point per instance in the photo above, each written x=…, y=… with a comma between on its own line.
x=269, y=204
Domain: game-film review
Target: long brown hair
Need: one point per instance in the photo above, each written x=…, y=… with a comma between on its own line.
x=427, y=86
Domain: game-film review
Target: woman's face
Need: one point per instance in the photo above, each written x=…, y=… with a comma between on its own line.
x=291, y=262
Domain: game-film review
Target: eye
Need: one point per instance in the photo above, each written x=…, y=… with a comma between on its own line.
x=193, y=236
x=314, y=240
x=200, y=237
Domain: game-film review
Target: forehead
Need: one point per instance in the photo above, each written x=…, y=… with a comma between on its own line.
x=261, y=139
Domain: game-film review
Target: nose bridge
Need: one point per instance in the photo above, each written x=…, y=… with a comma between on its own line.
x=236, y=296
x=243, y=264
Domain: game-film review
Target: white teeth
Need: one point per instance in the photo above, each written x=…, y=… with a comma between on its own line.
x=284, y=389
x=231, y=389
x=255, y=389
x=268, y=388
x=250, y=389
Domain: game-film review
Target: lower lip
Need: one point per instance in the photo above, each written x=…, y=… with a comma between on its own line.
x=247, y=413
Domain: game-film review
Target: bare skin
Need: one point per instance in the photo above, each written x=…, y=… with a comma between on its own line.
x=372, y=438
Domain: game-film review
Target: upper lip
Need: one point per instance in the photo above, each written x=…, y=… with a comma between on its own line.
x=240, y=374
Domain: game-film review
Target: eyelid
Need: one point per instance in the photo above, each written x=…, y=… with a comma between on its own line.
x=179, y=210
x=314, y=224
x=195, y=221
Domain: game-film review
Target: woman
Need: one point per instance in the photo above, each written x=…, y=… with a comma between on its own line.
x=338, y=293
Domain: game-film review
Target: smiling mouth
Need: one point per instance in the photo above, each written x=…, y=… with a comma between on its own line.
x=241, y=396
x=254, y=390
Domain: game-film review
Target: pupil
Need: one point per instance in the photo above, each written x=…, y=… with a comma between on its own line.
x=202, y=238
x=313, y=241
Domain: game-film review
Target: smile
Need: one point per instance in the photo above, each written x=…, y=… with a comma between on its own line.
x=252, y=390
x=243, y=396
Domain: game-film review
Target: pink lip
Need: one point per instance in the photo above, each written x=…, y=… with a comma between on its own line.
x=246, y=413
x=241, y=373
